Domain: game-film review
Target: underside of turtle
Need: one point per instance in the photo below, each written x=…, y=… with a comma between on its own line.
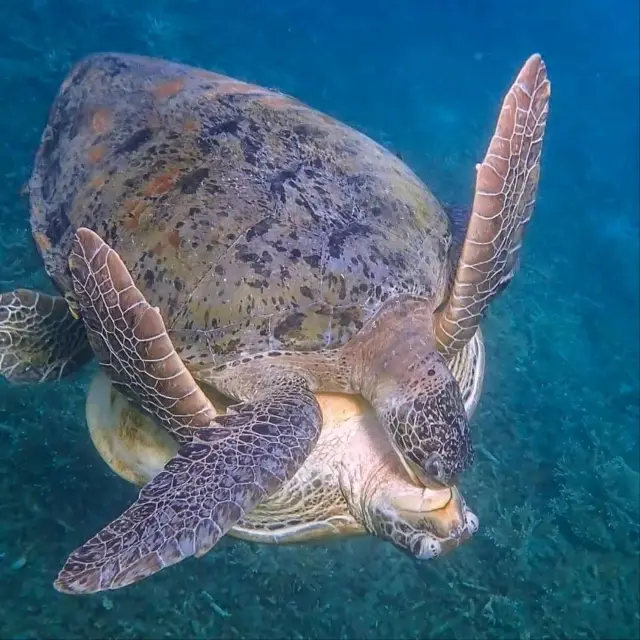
x=351, y=469
x=315, y=504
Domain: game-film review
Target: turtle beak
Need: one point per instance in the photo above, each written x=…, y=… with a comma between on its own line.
x=450, y=520
x=435, y=522
x=441, y=511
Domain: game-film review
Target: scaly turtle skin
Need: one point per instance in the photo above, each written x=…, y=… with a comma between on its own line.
x=40, y=339
x=289, y=255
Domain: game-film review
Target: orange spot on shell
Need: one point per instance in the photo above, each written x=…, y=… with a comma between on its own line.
x=101, y=121
x=163, y=183
x=235, y=86
x=97, y=182
x=174, y=239
x=229, y=87
x=134, y=209
x=42, y=241
x=96, y=153
x=209, y=75
x=191, y=124
x=275, y=101
x=168, y=89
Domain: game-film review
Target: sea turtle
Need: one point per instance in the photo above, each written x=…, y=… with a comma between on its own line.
x=289, y=255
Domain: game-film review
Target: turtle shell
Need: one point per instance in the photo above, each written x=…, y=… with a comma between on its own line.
x=251, y=220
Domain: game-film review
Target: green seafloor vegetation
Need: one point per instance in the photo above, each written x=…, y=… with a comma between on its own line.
x=555, y=483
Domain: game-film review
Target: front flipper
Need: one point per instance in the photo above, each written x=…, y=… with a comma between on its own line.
x=227, y=468
x=40, y=339
x=131, y=342
x=506, y=185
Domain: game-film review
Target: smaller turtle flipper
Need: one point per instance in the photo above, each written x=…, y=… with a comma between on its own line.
x=506, y=185
x=223, y=469
x=130, y=340
x=40, y=338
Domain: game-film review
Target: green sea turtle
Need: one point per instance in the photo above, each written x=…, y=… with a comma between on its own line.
x=288, y=255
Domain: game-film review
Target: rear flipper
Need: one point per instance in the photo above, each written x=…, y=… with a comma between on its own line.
x=225, y=466
x=40, y=339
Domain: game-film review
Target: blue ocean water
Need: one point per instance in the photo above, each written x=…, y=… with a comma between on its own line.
x=556, y=482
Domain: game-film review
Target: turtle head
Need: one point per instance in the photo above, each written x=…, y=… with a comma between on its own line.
x=421, y=522
x=417, y=399
x=424, y=415
x=434, y=425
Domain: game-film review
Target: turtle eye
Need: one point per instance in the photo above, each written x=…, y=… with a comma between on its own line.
x=434, y=467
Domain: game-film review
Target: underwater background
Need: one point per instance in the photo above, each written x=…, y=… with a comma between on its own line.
x=555, y=483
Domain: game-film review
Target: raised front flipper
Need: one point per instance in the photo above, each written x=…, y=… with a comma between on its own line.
x=131, y=342
x=40, y=339
x=506, y=186
x=227, y=468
